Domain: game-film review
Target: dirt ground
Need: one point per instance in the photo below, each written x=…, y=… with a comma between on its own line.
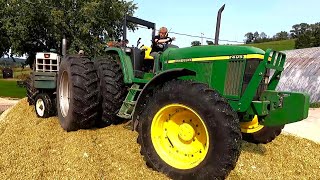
x=6, y=103
x=308, y=128
x=33, y=148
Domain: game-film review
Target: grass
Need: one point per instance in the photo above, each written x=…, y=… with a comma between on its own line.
x=315, y=105
x=18, y=72
x=275, y=45
x=10, y=89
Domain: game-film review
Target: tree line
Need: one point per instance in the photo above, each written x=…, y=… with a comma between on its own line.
x=198, y=43
x=31, y=26
x=305, y=35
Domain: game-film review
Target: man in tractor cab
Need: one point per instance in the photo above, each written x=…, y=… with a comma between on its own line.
x=159, y=42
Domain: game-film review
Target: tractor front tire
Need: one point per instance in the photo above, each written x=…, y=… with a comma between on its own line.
x=263, y=136
x=112, y=89
x=188, y=131
x=77, y=94
x=44, y=105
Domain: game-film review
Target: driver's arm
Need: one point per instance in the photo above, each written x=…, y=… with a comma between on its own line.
x=159, y=41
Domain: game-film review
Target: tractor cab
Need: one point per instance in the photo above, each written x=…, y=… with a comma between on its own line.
x=142, y=62
x=140, y=57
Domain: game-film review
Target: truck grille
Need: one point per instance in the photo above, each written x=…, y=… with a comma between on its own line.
x=233, y=79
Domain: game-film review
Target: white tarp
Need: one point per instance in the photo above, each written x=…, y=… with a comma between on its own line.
x=302, y=72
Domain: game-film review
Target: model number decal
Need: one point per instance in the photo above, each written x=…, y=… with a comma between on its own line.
x=237, y=57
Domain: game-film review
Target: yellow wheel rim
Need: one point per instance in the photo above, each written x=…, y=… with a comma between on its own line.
x=252, y=126
x=179, y=136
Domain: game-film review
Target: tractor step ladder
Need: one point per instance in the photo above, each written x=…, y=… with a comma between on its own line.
x=129, y=103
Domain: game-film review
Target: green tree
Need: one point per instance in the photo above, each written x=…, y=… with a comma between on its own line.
x=34, y=26
x=308, y=37
x=299, y=29
x=282, y=35
x=249, y=37
x=304, y=41
x=195, y=43
x=315, y=28
x=263, y=35
x=256, y=36
x=4, y=39
x=209, y=42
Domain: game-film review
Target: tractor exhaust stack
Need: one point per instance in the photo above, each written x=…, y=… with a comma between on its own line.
x=216, y=39
x=64, y=46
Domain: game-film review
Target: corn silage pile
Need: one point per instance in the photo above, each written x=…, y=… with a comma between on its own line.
x=33, y=148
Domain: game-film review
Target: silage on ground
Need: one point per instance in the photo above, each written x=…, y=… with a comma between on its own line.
x=34, y=148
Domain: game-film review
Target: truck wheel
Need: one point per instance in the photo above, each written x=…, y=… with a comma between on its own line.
x=188, y=131
x=44, y=105
x=77, y=94
x=254, y=132
x=112, y=89
x=31, y=91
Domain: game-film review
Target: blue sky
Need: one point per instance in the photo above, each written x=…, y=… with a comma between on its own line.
x=238, y=18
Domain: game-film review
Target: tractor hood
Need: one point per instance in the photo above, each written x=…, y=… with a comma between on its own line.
x=208, y=51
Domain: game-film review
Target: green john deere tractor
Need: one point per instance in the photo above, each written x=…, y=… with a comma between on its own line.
x=191, y=110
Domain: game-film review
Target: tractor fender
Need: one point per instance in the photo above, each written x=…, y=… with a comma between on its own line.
x=160, y=78
x=125, y=61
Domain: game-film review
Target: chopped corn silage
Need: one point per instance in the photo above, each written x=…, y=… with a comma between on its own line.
x=34, y=148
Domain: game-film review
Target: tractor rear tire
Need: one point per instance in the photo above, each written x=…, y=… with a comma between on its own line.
x=31, y=91
x=44, y=105
x=188, y=131
x=112, y=89
x=77, y=94
x=263, y=136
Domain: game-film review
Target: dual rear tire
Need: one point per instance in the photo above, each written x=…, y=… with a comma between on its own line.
x=89, y=93
x=112, y=89
x=78, y=94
